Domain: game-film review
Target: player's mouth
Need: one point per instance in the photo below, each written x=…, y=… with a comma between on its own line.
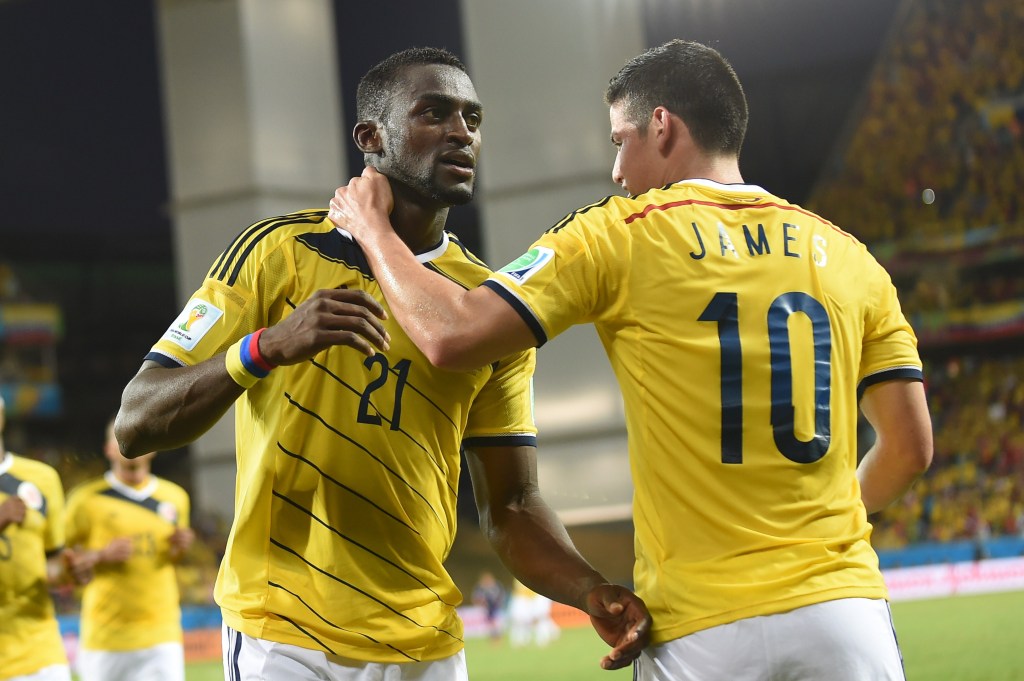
x=459, y=163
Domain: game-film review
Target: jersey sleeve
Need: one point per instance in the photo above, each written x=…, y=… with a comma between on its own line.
x=573, y=274
x=234, y=300
x=502, y=412
x=890, y=345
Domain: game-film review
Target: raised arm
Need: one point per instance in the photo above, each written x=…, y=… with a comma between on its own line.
x=898, y=411
x=164, y=408
x=532, y=542
x=454, y=328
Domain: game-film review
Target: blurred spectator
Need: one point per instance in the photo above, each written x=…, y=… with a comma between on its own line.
x=529, y=618
x=490, y=595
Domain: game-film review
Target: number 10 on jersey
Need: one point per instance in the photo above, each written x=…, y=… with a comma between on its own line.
x=724, y=310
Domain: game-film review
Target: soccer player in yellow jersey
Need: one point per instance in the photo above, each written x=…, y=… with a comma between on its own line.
x=348, y=439
x=132, y=527
x=32, y=558
x=744, y=332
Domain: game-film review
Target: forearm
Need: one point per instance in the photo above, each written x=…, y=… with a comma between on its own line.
x=533, y=544
x=426, y=305
x=167, y=408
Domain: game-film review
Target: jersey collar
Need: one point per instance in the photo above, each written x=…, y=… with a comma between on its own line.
x=435, y=252
x=711, y=184
x=129, y=491
x=425, y=257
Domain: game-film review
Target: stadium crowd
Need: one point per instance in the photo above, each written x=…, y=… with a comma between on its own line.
x=929, y=178
x=974, y=488
x=943, y=111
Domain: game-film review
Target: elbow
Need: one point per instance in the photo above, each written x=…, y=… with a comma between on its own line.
x=922, y=458
x=128, y=440
x=449, y=355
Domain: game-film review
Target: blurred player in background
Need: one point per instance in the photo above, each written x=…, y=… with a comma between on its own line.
x=131, y=527
x=347, y=439
x=743, y=330
x=529, y=618
x=32, y=559
x=490, y=595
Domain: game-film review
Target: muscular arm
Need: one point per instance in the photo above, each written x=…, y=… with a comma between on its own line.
x=165, y=408
x=898, y=411
x=455, y=329
x=532, y=542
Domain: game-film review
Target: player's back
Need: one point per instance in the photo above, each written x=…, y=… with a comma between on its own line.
x=740, y=326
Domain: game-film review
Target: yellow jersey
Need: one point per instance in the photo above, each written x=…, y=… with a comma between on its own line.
x=740, y=328
x=29, y=636
x=348, y=466
x=134, y=604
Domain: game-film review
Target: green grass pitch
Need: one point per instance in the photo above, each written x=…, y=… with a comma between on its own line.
x=965, y=638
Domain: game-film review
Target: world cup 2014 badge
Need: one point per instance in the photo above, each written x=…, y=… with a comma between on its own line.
x=31, y=495
x=195, y=320
x=195, y=314
x=528, y=264
x=167, y=511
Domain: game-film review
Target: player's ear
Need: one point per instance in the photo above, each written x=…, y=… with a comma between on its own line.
x=367, y=136
x=665, y=126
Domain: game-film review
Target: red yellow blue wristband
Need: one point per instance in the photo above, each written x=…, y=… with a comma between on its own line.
x=244, y=362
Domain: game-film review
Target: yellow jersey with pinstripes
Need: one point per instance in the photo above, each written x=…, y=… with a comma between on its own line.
x=348, y=466
x=134, y=604
x=29, y=636
x=740, y=328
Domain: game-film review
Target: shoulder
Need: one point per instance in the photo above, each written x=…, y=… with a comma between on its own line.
x=37, y=478
x=610, y=209
x=257, y=241
x=456, y=262
x=167, y=489
x=32, y=470
x=82, y=491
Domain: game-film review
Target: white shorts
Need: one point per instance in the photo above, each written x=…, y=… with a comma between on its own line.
x=162, y=662
x=55, y=672
x=253, y=659
x=850, y=639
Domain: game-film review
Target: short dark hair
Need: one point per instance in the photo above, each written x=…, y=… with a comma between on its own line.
x=694, y=82
x=377, y=87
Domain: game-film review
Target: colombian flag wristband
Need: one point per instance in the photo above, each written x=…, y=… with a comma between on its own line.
x=244, y=362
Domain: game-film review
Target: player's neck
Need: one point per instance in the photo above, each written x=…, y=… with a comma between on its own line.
x=135, y=482
x=420, y=227
x=721, y=169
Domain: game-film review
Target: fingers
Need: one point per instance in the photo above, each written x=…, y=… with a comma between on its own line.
x=337, y=213
x=357, y=297
x=359, y=319
x=330, y=317
x=621, y=618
